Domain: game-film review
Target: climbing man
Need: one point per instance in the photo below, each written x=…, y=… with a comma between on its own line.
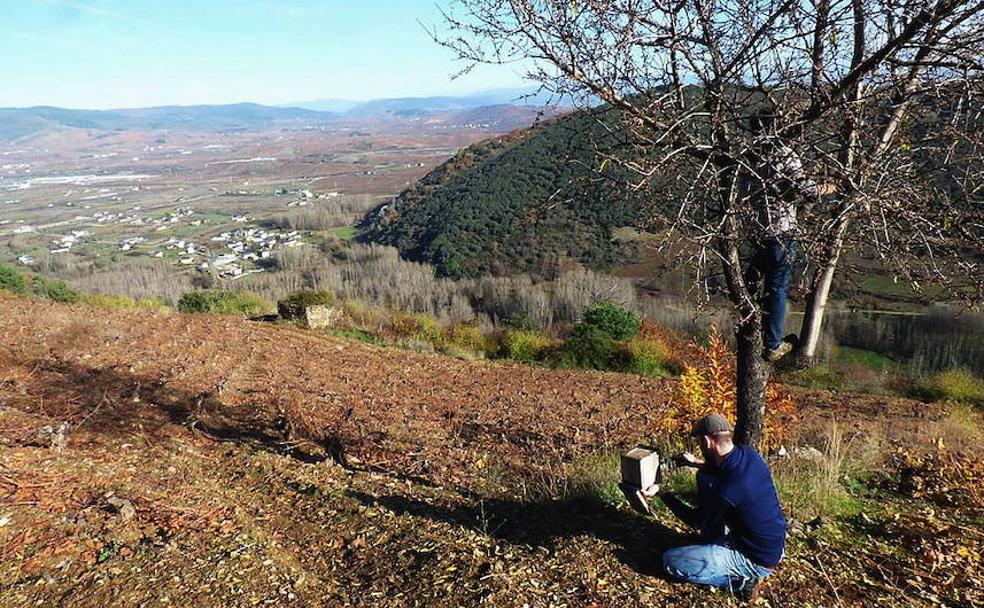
x=773, y=181
x=742, y=529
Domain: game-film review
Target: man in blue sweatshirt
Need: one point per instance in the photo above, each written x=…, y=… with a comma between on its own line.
x=737, y=514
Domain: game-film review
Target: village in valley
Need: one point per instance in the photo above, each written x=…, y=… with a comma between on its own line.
x=221, y=204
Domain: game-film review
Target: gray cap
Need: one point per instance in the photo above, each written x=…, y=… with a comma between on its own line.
x=711, y=424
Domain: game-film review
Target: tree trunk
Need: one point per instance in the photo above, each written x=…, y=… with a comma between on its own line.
x=816, y=306
x=753, y=376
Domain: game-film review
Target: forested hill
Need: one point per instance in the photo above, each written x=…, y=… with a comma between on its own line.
x=517, y=203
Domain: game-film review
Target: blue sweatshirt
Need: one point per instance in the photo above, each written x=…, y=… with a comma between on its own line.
x=743, y=498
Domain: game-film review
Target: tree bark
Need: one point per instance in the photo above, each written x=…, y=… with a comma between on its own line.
x=816, y=305
x=753, y=376
x=752, y=370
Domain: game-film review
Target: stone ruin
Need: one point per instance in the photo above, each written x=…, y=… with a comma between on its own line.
x=317, y=316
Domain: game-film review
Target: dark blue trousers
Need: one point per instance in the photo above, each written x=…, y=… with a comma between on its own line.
x=771, y=268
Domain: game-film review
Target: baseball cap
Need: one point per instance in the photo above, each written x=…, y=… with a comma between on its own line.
x=711, y=424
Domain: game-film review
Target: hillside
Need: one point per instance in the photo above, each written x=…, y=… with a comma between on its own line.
x=512, y=204
x=183, y=478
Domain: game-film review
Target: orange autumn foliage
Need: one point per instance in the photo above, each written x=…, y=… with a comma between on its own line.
x=708, y=385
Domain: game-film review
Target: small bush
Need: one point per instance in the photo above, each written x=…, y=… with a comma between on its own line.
x=469, y=336
x=420, y=327
x=304, y=299
x=956, y=385
x=222, y=302
x=610, y=319
x=292, y=307
x=525, y=346
x=429, y=328
x=53, y=289
x=360, y=314
x=589, y=348
x=12, y=280
x=645, y=356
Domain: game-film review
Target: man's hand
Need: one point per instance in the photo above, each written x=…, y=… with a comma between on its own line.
x=686, y=459
x=651, y=491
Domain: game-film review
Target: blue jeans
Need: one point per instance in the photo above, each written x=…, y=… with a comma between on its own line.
x=716, y=564
x=773, y=264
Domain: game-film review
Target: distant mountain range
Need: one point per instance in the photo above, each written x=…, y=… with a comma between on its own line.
x=431, y=105
x=20, y=123
x=501, y=109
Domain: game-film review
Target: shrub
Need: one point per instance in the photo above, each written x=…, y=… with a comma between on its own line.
x=429, y=328
x=53, y=289
x=645, y=356
x=12, y=280
x=420, y=327
x=590, y=348
x=525, y=346
x=610, y=319
x=322, y=297
x=709, y=386
x=469, y=336
x=360, y=314
x=956, y=385
x=223, y=302
x=293, y=306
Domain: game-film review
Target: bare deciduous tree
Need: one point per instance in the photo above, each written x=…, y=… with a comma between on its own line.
x=878, y=101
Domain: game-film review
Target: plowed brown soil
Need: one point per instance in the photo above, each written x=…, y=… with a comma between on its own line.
x=213, y=461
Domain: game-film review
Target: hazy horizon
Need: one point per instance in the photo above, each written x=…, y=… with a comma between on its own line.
x=115, y=54
x=298, y=103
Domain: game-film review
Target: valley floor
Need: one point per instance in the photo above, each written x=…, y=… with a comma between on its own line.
x=212, y=461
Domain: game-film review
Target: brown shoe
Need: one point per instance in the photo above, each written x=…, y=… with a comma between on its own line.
x=774, y=354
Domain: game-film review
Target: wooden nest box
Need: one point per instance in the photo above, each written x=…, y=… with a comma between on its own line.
x=640, y=467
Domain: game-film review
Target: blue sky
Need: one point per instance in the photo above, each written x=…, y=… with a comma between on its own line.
x=130, y=53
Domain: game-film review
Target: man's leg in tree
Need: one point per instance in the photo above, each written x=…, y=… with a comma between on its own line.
x=777, y=277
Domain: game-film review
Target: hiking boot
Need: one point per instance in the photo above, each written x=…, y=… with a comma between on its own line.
x=749, y=592
x=774, y=354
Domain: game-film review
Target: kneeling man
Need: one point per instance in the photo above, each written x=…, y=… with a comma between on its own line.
x=737, y=514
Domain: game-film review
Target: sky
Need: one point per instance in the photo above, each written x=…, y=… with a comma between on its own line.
x=135, y=53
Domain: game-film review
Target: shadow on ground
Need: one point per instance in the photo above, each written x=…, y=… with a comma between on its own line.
x=640, y=541
x=112, y=402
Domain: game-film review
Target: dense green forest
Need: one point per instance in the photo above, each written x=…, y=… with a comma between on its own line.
x=518, y=203
x=526, y=201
